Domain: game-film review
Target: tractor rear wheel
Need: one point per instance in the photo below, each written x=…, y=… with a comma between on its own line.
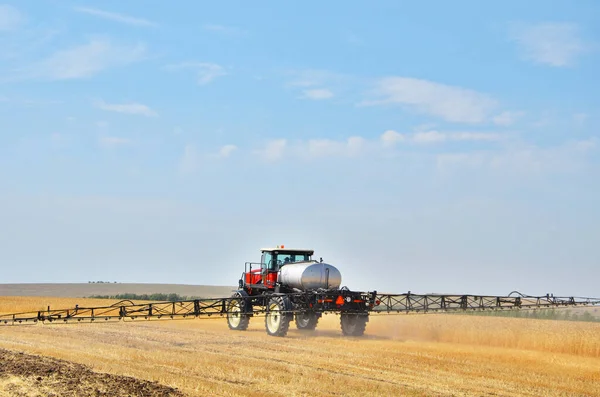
x=306, y=321
x=277, y=322
x=353, y=324
x=237, y=319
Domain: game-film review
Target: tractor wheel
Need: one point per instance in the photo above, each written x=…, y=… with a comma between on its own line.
x=353, y=324
x=276, y=322
x=306, y=321
x=237, y=320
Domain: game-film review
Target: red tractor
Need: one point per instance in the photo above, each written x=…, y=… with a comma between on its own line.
x=289, y=283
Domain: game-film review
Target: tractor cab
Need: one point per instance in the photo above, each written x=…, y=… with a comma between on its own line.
x=263, y=275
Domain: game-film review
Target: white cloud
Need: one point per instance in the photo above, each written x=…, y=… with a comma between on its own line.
x=128, y=108
x=390, y=137
x=356, y=145
x=205, y=71
x=10, y=17
x=507, y=118
x=226, y=150
x=115, y=17
x=317, y=94
x=274, y=150
x=566, y=157
x=474, y=136
x=550, y=43
x=429, y=137
x=110, y=141
x=83, y=61
x=329, y=147
x=451, y=103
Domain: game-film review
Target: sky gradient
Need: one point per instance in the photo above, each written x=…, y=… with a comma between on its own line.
x=428, y=146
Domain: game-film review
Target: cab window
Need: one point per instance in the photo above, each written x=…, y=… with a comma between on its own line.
x=292, y=257
x=267, y=261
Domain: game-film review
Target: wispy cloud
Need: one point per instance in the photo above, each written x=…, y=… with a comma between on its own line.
x=353, y=146
x=317, y=94
x=429, y=137
x=10, y=17
x=128, y=108
x=451, y=103
x=226, y=150
x=391, y=137
x=507, y=118
x=82, y=61
x=274, y=150
x=315, y=84
x=116, y=17
x=550, y=43
x=205, y=71
x=565, y=157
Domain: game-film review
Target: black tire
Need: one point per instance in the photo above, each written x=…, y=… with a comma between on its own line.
x=353, y=324
x=277, y=323
x=237, y=320
x=306, y=321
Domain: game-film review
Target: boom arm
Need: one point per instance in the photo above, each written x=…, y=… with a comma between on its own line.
x=440, y=303
x=319, y=302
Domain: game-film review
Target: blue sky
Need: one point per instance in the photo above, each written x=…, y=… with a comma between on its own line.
x=430, y=146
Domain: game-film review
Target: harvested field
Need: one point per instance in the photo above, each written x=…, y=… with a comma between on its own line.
x=81, y=290
x=31, y=375
x=414, y=355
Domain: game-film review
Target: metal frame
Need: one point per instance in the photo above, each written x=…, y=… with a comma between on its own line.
x=442, y=303
x=330, y=301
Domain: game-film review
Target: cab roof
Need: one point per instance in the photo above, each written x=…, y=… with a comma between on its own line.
x=288, y=250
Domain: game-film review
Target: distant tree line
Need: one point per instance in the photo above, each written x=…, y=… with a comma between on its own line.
x=542, y=314
x=172, y=297
x=102, y=282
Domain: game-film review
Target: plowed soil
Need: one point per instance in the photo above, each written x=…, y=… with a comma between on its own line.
x=31, y=375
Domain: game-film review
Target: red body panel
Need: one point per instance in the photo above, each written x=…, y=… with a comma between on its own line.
x=255, y=277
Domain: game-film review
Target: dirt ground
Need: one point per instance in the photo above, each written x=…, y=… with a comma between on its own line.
x=400, y=355
x=33, y=375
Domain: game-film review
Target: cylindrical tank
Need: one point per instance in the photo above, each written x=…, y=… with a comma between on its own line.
x=310, y=275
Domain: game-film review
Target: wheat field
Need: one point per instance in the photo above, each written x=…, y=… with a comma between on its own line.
x=400, y=355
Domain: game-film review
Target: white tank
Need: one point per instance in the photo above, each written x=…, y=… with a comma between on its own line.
x=310, y=275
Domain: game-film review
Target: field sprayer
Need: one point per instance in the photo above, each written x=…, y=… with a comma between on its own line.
x=288, y=284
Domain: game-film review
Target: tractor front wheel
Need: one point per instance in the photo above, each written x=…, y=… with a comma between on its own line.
x=353, y=324
x=237, y=319
x=306, y=321
x=277, y=321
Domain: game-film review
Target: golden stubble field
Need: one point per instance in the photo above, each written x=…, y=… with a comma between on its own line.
x=401, y=355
